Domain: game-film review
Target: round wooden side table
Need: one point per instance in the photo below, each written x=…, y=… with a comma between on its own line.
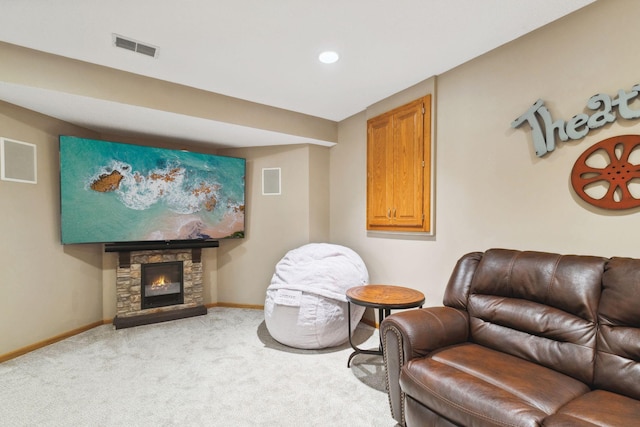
x=384, y=298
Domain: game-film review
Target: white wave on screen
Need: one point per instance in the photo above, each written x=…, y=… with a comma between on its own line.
x=142, y=190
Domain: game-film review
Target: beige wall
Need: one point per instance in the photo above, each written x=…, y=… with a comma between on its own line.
x=275, y=224
x=47, y=289
x=319, y=168
x=491, y=190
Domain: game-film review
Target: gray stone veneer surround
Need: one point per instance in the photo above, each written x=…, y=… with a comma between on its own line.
x=128, y=281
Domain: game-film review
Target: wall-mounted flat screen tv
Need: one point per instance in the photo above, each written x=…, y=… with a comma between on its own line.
x=112, y=192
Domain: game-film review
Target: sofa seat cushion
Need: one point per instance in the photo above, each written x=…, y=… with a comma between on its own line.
x=598, y=408
x=472, y=385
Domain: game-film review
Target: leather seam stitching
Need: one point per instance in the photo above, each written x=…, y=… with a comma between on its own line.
x=553, y=276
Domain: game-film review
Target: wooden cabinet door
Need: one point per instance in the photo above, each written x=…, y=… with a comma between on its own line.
x=408, y=166
x=398, y=183
x=379, y=170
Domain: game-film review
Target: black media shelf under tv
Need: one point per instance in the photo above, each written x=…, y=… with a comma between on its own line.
x=160, y=245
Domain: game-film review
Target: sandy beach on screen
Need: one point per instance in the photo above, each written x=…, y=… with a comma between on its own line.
x=232, y=222
x=191, y=227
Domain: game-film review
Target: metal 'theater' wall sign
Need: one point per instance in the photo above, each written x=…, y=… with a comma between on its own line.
x=544, y=127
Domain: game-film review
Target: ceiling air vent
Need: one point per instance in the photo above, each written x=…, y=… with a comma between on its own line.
x=135, y=46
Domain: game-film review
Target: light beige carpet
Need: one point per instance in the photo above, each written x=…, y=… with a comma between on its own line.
x=222, y=369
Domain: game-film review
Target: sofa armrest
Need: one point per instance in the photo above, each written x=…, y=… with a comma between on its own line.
x=415, y=333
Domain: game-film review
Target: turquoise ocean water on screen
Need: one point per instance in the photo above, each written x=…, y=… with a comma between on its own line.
x=162, y=194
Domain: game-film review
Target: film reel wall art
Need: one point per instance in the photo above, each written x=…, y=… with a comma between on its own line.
x=607, y=174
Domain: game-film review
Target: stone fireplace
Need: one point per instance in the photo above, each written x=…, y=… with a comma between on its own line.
x=158, y=285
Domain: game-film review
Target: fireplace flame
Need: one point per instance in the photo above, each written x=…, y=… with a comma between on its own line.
x=159, y=282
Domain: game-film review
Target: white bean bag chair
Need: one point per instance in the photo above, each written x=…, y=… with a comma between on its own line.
x=306, y=306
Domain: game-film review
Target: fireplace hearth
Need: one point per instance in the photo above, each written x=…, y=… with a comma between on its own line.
x=158, y=285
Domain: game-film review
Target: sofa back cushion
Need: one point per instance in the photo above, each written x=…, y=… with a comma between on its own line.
x=617, y=365
x=538, y=306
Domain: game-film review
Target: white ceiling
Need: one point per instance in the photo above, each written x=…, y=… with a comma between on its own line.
x=261, y=51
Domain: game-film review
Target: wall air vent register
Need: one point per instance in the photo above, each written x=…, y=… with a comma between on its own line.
x=135, y=46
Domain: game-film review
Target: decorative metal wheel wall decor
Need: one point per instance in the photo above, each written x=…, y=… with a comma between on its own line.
x=615, y=179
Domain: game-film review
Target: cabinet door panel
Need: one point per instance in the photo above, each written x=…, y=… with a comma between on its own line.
x=380, y=171
x=408, y=169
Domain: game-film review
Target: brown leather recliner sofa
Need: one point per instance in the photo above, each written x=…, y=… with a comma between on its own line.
x=523, y=339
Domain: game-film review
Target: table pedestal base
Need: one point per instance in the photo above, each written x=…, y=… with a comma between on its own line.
x=382, y=313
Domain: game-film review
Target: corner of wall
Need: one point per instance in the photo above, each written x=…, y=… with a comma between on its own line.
x=319, y=194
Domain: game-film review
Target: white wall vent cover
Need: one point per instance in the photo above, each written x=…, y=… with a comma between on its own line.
x=135, y=46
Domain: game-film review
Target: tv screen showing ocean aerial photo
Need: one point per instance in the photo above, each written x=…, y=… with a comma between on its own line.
x=114, y=192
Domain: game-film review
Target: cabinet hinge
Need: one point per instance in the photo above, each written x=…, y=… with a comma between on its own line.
x=423, y=163
x=423, y=110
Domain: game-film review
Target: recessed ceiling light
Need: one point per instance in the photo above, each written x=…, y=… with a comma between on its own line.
x=329, y=57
